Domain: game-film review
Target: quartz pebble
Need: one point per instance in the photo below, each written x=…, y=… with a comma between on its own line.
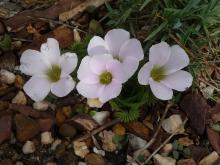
x=41, y=105
x=46, y=138
x=20, y=98
x=28, y=147
x=209, y=159
x=100, y=117
x=7, y=77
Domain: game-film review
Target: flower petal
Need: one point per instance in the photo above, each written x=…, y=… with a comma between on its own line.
x=37, y=88
x=84, y=72
x=68, y=63
x=161, y=91
x=115, y=39
x=178, y=60
x=98, y=63
x=63, y=87
x=130, y=65
x=180, y=80
x=89, y=90
x=33, y=62
x=97, y=46
x=84, y=68
x=110, y=91
x=51, y=50
x=159, y=53
x=132, y=48
x=115, y=67
x=144, y=73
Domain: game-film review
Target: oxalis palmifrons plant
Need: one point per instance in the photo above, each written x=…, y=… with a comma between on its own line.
x=111, y=62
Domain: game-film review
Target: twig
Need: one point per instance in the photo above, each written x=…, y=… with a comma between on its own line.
x=207, y=83
x=156, y=133
x=165, y=142
x=92, y=133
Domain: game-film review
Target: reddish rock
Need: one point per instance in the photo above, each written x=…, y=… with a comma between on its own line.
x=25, y=110
x=26, y=127
x=6, y=162
x=5, y=128
x=95, y=159
x=45, y=124
x=138, y=129
x=186, y=162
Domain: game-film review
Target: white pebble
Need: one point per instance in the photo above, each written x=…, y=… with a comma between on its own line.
x=173, y=124
x=28, y=147
x=7, y=77
x=20, y=98
x=100, y=117
x=46, y=138
x=41, y=105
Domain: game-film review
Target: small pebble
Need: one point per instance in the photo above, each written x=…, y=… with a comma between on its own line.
x=80, y=149
x=100, y=117
x=19, y=82
x=51, y=163
x=41, y=105
x=82, y=163
x=7, y=77
x=20, y=98
x=167, y=149
x=46, y=138
x=67, y=130
x=209, y=159
x=94, y=103
x=19, y=163
x=28, y=147
x=55, y=144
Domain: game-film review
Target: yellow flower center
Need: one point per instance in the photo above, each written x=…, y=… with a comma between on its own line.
x=54, y=73
x=105, y=78
x=157, y=73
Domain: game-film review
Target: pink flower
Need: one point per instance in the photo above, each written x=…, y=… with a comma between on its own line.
x=163, y=71
x=100, y=77
x=49, y=70
x=117, y=42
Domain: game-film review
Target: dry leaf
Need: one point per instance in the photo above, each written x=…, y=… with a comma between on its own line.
x=196, y=108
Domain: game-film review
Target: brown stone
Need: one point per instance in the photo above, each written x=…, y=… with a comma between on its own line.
x=45, y=124
x=6, y=162
x=138, y=129
x=60, y=117
x=67, y=130
x=95, y=159
x=5, y=128
x=3, y=105
x=186, y=162
x=26, y=127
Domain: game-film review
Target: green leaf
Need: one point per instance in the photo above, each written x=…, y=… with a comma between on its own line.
x=216, y=127
x=180, y=147
x=175, y=145
x=156, y=31
x=5, y=42
x=144, y=4
x=92, y=113
x=187, y=151
x=176, y=155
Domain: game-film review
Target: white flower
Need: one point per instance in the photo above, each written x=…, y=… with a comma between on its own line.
x=117, y=42
x=49, y=70
x=163, y=71
x=100, y=77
